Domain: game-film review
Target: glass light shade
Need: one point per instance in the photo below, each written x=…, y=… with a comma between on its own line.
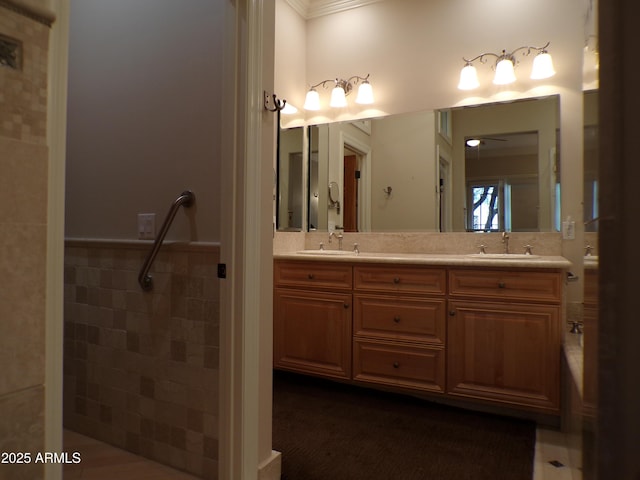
x=473, y=142
x=289, y=109
x=312, y=101
x=542, y=67
x=365, y=93
x=504, y=72
x=338, y=97
x=468, y=78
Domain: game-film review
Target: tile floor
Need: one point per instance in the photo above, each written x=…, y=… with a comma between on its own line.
x=104, y=462
x=552, y=445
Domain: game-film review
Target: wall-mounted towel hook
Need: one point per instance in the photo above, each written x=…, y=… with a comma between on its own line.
x=278, y=105
x=387, y=191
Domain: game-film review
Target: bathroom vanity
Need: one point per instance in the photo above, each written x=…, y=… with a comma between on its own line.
x=473, y=328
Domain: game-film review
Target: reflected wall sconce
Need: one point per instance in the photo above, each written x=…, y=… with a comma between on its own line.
x=341, y=88
x=504, y=67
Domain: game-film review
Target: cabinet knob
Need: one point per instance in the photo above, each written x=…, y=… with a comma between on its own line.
x=452, y=313
x=396, y=365
x=396, y=319
x=345, y=305
x=396, y=280
x=502, y=285
x=310, y=276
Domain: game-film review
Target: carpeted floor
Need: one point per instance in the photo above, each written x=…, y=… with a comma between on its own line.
x=328, y=430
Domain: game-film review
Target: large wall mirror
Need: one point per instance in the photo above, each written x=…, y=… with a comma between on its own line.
x=289, y=180
x=591, y=182
x=422, y=172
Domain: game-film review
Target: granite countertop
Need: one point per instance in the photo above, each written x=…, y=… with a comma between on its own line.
x=466, y=260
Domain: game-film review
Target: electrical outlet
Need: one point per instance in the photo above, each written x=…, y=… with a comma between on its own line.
x=146, y=226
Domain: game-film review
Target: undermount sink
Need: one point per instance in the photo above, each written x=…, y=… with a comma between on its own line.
x=505, y=256
x=325, y=252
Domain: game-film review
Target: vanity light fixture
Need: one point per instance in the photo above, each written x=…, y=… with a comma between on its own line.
x=504, y=67
x=341, y=88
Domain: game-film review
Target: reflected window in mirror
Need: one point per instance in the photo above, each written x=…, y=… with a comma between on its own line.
x=502, y=182
x=485, y=210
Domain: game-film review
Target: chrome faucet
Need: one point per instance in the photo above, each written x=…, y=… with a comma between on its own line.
x=505, y=241
x=339, y=236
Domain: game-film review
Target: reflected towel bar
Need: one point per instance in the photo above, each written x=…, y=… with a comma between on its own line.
x=185, y=199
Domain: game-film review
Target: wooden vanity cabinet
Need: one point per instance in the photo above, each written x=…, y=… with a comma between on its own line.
x=312, y=318
x=485, y=335
x=503, y=337
x=399, y=331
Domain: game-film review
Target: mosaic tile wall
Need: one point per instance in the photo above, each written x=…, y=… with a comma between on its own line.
x=141, y=368
x=23, y=240
x=23, y=91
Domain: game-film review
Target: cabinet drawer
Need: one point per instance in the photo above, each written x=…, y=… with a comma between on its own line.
x=399, y=365
x=313, y=274
x=405, y=318
x=400, y=278
x=530, y=286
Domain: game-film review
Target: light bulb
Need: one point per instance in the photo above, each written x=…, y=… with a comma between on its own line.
x=504, y=72
x=289, y=109
x=312, y=101
x=338, y=97
x=365, y=93
x=542, y=66
x=468, y=78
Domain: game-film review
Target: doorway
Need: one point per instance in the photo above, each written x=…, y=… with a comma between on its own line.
x=351, y=181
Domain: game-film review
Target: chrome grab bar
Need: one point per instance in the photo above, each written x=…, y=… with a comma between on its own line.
x=186, y=198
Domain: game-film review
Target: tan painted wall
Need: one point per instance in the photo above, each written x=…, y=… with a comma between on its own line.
x=144, y=117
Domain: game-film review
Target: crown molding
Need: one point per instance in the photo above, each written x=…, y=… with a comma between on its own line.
x=317, y=8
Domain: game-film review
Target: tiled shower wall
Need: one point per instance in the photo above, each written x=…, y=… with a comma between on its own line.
x=23, y=234
x=141, y=368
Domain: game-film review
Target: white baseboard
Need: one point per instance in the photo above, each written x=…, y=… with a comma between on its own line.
x=271, y=469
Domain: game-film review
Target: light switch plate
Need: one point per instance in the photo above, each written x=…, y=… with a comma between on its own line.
x=569, y=230
x=146, y=226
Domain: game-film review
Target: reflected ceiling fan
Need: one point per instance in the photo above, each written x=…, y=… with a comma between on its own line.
x=477, y=141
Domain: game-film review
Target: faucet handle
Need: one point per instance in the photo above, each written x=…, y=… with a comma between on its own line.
x=588, y=250
x=356, y=250
x=527, y=249
x=321, y=246
x=483, y=249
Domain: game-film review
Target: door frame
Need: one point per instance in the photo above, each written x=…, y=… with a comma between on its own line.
x=56, y=140
x=246, y=245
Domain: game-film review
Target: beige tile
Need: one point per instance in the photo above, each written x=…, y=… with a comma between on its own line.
x=22, y=430
x=553, y=445
x=22, y=295
x=23, y=183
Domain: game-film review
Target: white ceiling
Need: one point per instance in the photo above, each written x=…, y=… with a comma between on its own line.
x=317, y=8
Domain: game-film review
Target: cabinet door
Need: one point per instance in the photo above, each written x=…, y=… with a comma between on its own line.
x=505, y=353
x=312, y=332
